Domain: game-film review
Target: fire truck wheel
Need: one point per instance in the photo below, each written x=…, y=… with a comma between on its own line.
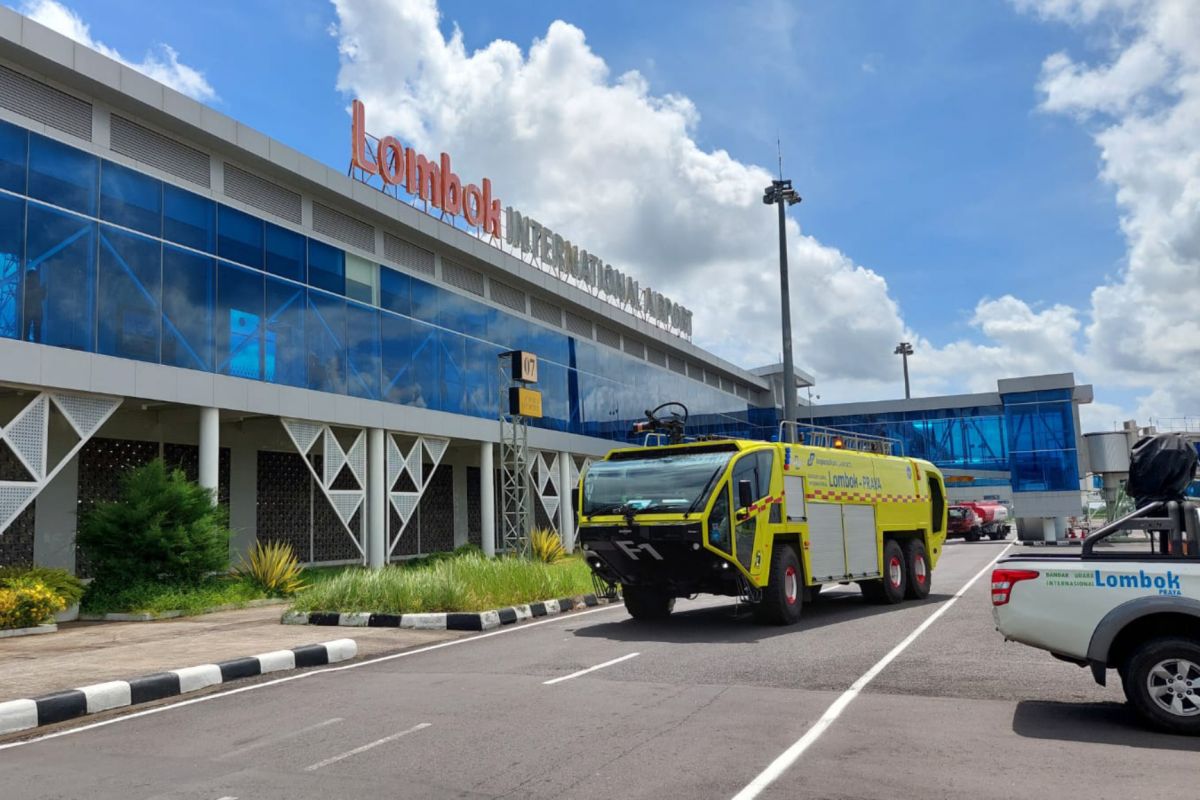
x=783, y=596
x=973, y=535
x=644, y=603
x=997, y=534
x=916, y=560
x=894, y=586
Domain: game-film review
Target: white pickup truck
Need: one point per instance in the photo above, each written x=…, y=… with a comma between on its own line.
x=1132, y=605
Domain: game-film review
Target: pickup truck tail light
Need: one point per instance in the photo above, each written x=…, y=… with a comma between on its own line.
x=1003, y=581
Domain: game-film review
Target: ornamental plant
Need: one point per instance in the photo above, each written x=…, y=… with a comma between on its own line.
x=546, y=546
x=59, y=581
x=161, y=528
x=274, y=567
x=27, y=602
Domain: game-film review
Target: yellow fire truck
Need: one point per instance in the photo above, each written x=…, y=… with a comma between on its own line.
x=770, y=522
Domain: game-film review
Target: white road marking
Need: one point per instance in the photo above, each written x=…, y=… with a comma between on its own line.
x=589, y=669
x=793, y=753
x=302, y=675
x=366, y=747
x=227, y=797
x=280, y=738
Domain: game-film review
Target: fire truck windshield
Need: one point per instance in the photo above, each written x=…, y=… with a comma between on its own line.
x=661, y=484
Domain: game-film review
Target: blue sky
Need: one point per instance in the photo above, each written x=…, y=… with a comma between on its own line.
x=917, y=133
x=910, y=129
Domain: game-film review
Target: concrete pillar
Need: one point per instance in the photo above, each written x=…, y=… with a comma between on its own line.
x=566, y=514
x=1048, y=534
x=487, y=499
x=458, y=472
x=377, y=500
x=210, y=449
x=243, y=499
x=54, y=522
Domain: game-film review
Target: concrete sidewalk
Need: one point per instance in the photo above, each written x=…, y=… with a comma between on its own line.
x=83, y=653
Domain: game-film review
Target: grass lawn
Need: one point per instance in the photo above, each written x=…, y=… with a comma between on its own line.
x=465, y=583
x=156, y=597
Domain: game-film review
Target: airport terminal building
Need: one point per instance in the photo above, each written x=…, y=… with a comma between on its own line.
x=175, y=283
x=321, y=346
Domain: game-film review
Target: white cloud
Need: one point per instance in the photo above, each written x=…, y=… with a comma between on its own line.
x=162, y=63
x=603, y=157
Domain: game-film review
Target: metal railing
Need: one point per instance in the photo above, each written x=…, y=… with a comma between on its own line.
x=821, y=436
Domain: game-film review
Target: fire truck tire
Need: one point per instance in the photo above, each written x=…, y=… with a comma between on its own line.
x=894, y=584
x=998, y=534
x=783, y=596
x=645, y=603
x=920, y=576
x=973, y=535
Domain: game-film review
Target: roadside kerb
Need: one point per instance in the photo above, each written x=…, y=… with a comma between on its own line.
x=20, y=715
x=448, y=620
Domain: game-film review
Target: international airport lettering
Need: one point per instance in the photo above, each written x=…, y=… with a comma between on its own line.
x=552, y=250
x=1165, y=584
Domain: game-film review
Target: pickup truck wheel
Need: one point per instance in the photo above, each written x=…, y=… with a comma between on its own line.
x=644, y=603
x=783, y=596
x=1162, y=682
x=973, y=535
x=894, y=584
x=916, y=561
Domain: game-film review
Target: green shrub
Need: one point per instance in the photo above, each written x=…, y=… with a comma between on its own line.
x=162, y=527
x=274, y=567
x=27, y=602
x=468, y=583
x=59, y=581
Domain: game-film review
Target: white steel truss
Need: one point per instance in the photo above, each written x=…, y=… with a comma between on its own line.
x=398, y=463
x=305, y=435
x=28, y=437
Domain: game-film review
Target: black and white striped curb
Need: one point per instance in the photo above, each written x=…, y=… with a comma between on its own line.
x=20, y=715
x=441, y=621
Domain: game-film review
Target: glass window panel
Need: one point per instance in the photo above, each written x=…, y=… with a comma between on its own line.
x=285, y=252
x=62, y=175
x=410, y=362
x=60, y=279
x=130, y=291
x=394, y=291
x=239, y=237
x=425, y=300
x=362, y=280
x=189, y=296
x=239, y=324
x=482, y=379
x=325, y=335
x=12, y=250
x=14, y=149
x=326, y=267
x=284, y=357
x=453, y=359
x=130, y=199
x=462, y=314
x=189, y=219
x=362, y=337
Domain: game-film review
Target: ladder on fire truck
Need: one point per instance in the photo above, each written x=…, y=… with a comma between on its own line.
x=821, y=436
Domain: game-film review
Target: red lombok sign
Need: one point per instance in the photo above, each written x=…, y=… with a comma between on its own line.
x=432, y=181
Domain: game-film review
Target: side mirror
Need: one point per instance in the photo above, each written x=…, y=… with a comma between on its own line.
x=745, y=494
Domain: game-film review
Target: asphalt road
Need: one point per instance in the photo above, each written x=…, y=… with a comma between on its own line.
x=708, y=702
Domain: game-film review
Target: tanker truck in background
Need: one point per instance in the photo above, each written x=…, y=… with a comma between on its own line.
x=974, y=520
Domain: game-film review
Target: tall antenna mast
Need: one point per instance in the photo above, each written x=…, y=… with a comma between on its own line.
x=779, y=150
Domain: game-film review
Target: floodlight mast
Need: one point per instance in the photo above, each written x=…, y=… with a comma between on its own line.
x=779, y=193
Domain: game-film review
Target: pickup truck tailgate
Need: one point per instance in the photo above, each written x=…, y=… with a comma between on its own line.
x=1060, y=608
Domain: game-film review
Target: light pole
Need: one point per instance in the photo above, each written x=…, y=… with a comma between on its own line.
x=779, y=193
x=904, y=350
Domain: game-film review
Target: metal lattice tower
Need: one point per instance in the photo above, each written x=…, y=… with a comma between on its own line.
x=516, y=501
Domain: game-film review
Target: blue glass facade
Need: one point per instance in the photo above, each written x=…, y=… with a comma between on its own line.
x=1031, y=435
x=97, y=257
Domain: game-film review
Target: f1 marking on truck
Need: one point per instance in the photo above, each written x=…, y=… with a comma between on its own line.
x=632, y=549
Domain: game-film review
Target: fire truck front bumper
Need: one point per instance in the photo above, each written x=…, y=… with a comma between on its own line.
x=670, y=557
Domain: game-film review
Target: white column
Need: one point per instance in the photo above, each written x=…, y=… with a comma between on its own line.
x=377, y=502
x=458, y=474
x=210, y=448
x=487, y=499
x=566, y=514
